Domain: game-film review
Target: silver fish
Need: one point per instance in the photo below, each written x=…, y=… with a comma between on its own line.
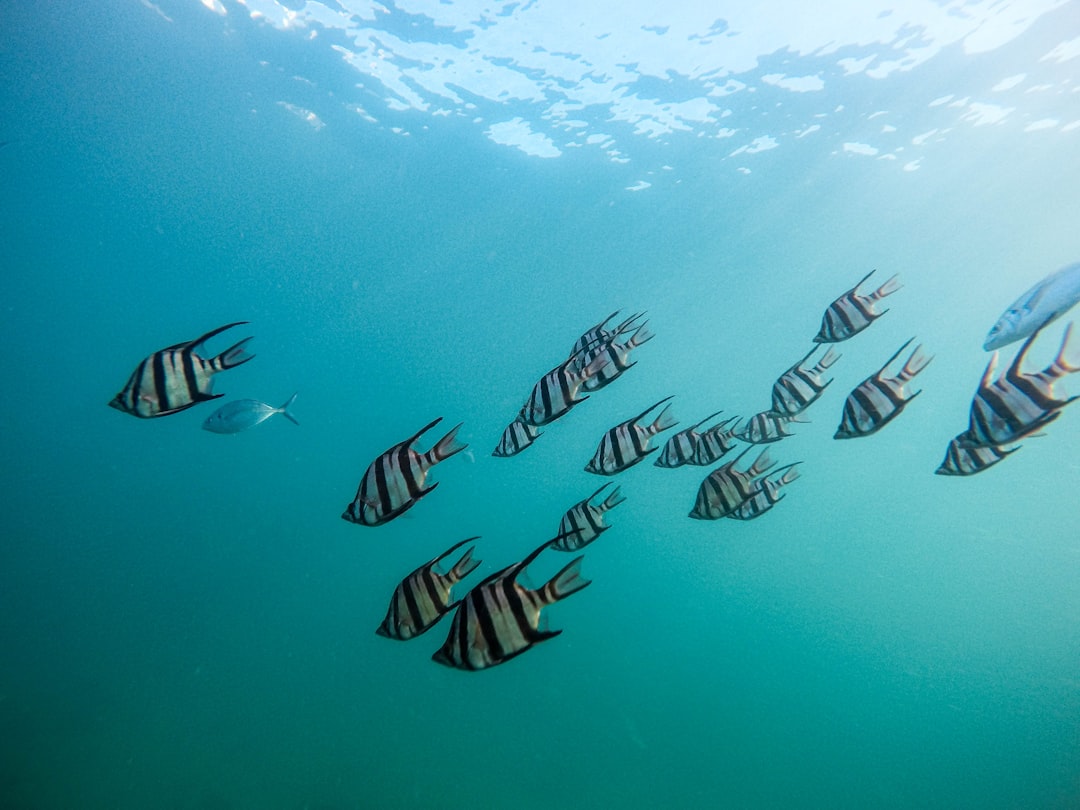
x=1045, y=302
x=243, y=414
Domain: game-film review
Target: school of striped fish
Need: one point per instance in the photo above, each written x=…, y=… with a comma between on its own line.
x=500, y=617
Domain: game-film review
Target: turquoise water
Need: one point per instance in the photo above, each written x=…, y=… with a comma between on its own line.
x=187, y=622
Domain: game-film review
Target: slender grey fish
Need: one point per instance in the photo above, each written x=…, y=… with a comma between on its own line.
x=243, y=414
x=1045, y=302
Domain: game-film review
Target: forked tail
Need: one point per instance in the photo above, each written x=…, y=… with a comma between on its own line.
x=565, y=583
x=888, y=288
x=448, y=446
x=916, y=363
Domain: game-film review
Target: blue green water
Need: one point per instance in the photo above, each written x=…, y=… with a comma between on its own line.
x=185, y=620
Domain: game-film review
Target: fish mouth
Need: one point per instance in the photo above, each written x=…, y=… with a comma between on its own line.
x=115, y=402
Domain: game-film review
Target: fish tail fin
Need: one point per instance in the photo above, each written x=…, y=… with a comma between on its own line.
x=916, y=363
x=233, y=356
x=888, y=288
x=612, y=500
x=463, y=567
x=831, y=356
x=664, y=421
x=595, y=366
x=789, y=474
x=284, y=410
x=448, y=446
x=641, y=335
x=761, y=464
x=565, y=583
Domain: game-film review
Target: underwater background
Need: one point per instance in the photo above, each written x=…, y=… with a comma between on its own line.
x=187, y=622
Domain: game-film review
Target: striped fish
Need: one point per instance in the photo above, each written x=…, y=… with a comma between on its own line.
x=599, y=335
x=765, y=427
x=681, y=448
x=1018, y=403
x=518, y=435
x=725, y=489
x=618, y=355
x=178, y=377
x=500, y=618
x=715, y=443
x=963, y=459
x=394, y=481
x=766, y=493
x=558, y=391
x=851, y=312
x=627, y=443
x=584, y=521
x=798, y=387
x=878, y=400
x=423, y=597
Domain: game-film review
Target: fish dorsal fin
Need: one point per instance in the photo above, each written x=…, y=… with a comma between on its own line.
x=641, y=415
x=412, y=440
x=862, y=281
x=889, y=362
x=807, y=356
x=449, y=551
x=416, y=436
x=199, y=341
x=512, y=571
x=988, y=374
x=601, y=489
x=1018, y=361
x=702, y=422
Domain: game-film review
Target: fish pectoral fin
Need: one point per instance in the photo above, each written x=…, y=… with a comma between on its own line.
x=399, y=511
x=177, y=410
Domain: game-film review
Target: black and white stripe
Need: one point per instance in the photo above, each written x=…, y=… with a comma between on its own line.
x=618, y=355
x=681, y=448
x=176, y=378
x=584, y=521
x=500, y=618
x=394, y=481
x=963, y=459
x=725, y=489
x=766, y=493
x=851, y=312
x=878, y=400
x=558, y=391
x=599, y=335
x=627, y=443
x=766, y=427
x=715, y=442
x=798, y=387
x=423, y=597
x=517, y=436
x=1018, y=403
